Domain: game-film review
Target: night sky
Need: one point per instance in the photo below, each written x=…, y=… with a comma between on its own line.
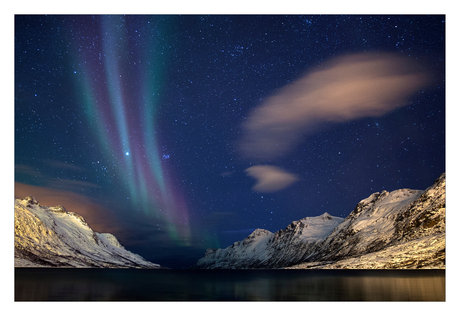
x=181, y=133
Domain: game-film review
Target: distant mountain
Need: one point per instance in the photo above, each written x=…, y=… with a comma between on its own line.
x=52, y=237
x=388, y=230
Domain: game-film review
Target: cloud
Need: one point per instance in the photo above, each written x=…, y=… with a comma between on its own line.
x=346, y=88
x=270, y=178
x=56, y=164
x=61, y=184
x=27, y=170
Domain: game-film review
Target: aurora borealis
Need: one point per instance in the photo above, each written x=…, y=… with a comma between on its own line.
x=118, y=87
x=181, y=133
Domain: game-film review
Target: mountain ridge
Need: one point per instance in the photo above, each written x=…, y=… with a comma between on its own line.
x=264, y=249
x=378, y=234
x=53, y=237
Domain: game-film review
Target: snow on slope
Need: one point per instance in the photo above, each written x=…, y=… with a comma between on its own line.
x=319, y=227
x=387, y=219
x=368, y=228
x=51, y=236
x=263, y=249
x=424, y=253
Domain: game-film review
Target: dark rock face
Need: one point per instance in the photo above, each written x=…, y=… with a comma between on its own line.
x=424, y=216
x=30, y=200
x=58, y=209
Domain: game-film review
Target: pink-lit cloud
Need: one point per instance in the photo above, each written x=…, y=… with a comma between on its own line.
x=270, y=178
x=343, y=89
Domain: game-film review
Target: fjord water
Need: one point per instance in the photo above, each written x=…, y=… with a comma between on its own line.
x=65, y=284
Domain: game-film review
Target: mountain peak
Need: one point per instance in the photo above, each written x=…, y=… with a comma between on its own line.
x=327, y=216
x=260, y=232
x=30, y=200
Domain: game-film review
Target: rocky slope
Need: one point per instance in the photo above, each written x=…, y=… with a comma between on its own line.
x=264, y=249
x=52, y=237
x=388, y=230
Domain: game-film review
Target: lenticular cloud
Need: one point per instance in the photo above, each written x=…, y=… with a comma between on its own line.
x=270, y=178
x=346, y=88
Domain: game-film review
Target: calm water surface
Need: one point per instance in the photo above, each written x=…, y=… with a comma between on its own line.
x=43, y=284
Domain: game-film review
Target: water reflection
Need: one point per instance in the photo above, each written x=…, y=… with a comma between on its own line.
x=202, y=285
x=344, y=288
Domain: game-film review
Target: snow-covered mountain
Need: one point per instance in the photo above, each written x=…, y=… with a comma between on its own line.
x=388, y=230
x=264, y=249
x=52, y=237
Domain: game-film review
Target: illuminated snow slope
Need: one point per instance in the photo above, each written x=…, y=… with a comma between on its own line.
x=388, y=230
x=52, y=237
x=263, y=249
